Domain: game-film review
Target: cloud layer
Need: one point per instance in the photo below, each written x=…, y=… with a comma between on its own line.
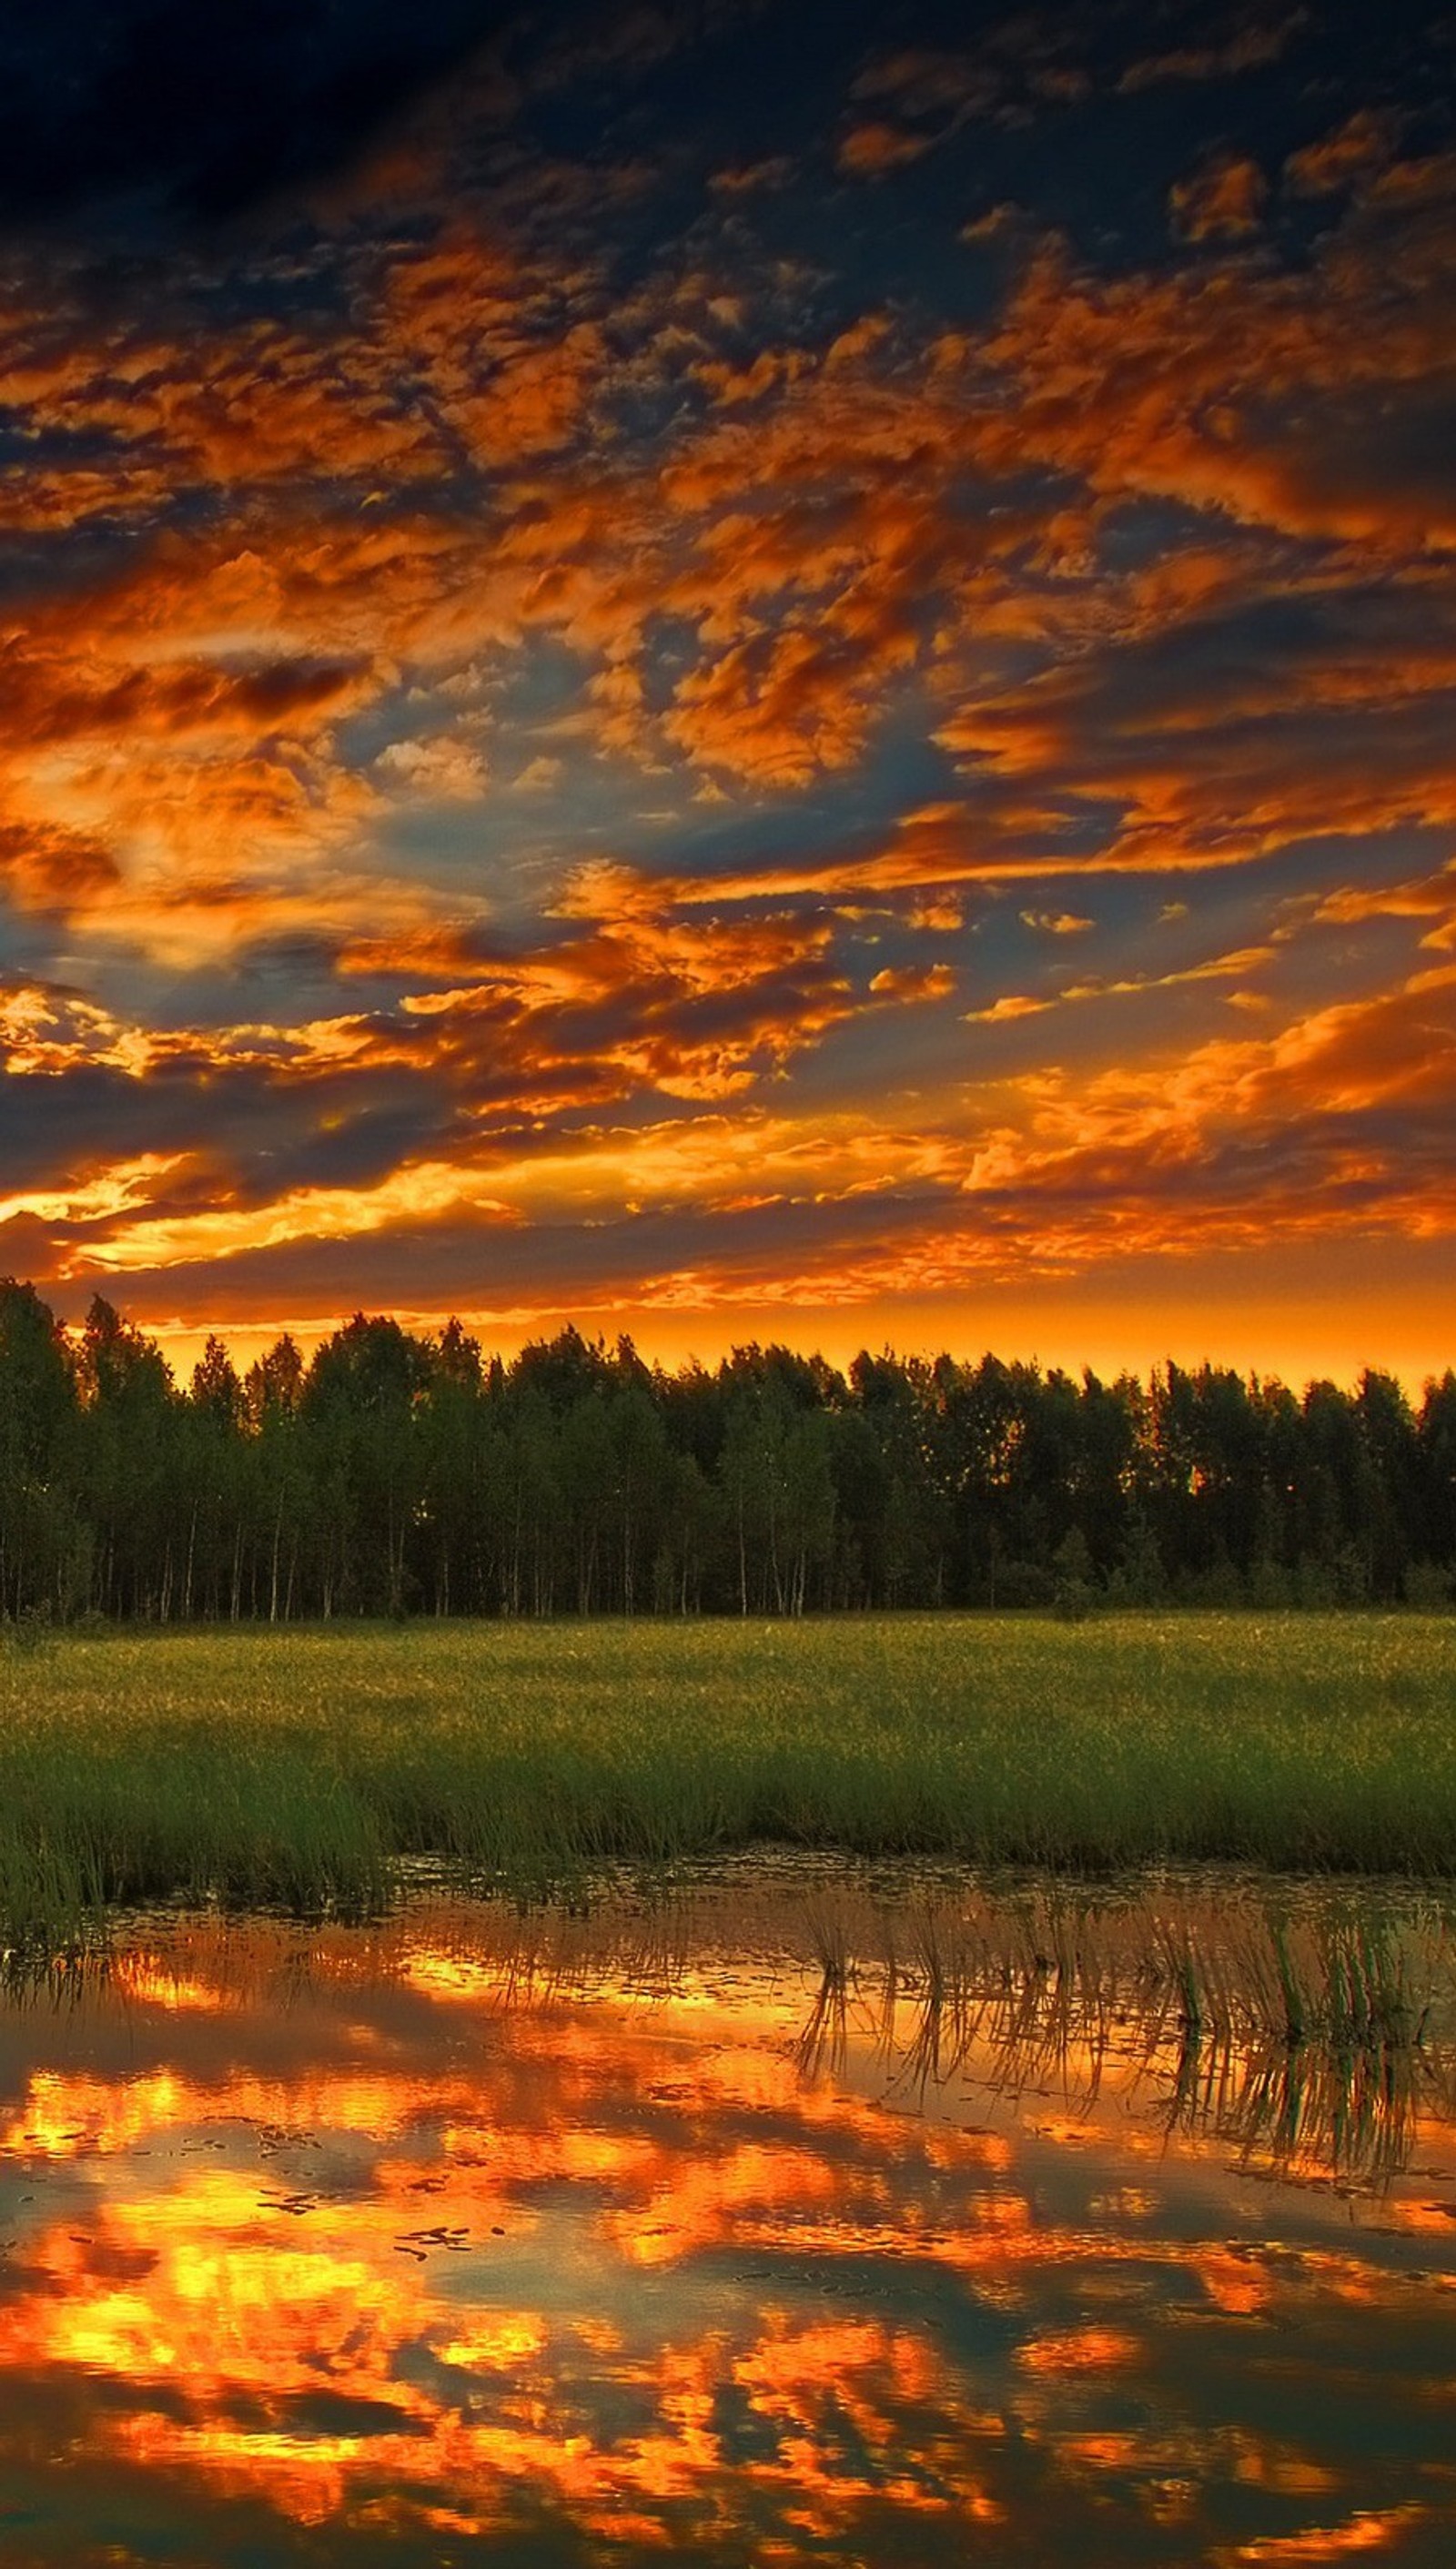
x=626, y=691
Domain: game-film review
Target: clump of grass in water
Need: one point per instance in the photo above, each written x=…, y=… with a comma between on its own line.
x=1302, y=2037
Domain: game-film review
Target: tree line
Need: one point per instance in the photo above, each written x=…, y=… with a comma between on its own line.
x=396, y=1474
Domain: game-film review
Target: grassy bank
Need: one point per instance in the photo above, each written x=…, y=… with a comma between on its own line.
x=296, y=1766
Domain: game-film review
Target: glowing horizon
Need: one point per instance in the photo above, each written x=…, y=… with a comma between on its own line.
x=1295, y=1344
x=755, y=672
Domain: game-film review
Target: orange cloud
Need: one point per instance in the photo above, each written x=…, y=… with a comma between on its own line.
x=1001, y=1011
x=913, y=981
x=1340, y=158
x=741, y=179
x=782, y=695
x=1430, y=896
x=1250, y=49
x=1222, y=202
x=871, y=149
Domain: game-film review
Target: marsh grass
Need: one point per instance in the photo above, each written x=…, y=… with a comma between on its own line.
x=301, y=1769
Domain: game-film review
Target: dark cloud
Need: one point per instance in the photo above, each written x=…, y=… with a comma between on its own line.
x=208, y=107
x=496, y=1261
x=346, y=1131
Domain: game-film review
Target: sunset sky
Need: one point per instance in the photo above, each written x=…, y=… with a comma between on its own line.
x=739, y=670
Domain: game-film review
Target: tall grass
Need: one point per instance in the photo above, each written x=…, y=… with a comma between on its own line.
x=297, y=1768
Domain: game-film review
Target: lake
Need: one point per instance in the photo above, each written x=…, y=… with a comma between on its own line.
x=793, y=2215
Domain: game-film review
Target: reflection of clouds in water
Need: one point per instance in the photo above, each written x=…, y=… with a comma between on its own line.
x=453, y=2234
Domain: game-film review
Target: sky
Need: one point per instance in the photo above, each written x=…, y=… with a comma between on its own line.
x=733, y=670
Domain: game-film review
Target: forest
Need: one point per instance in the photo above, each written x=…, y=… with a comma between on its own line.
x=394, y=1474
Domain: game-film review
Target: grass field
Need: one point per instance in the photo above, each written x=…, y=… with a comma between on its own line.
x=295, y=1767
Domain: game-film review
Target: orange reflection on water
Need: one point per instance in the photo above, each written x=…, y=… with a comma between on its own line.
x=414, y=2247
x=1364, y=2532
x=148, y=1982
x=1234, y=2282
x=1086, y=2350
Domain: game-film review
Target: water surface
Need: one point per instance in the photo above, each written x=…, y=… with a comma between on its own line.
x=796, y=2222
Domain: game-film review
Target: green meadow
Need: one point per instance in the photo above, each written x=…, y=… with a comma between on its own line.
x=301, y=1767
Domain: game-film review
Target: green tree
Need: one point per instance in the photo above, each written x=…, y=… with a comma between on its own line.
x=41, y=1540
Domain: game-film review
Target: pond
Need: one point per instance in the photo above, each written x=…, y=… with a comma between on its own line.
x=793, y=2215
